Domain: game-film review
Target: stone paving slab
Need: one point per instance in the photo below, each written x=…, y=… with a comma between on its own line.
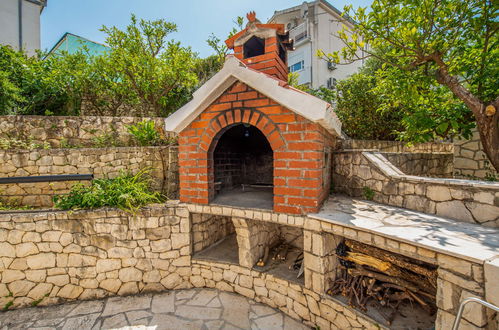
x=183, y=309
x=468, y=241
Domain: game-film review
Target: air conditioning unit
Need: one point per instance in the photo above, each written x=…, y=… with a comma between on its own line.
x=331, y=65
x=331, y=83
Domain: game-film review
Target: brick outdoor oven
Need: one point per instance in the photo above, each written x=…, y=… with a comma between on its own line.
x=248, y=139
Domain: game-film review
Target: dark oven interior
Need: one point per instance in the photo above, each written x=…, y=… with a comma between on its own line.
x=243, y=168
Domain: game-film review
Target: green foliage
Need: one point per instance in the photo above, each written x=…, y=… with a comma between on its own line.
x=368, y=193
x=438, y=61
x=145, y=133
x=8, y=305
x=156, y=70
x=363, y=111
x=144, y=72
x=8, y=206
x=35, y=303
x=215, y=62
x=21, y=142
x=107, y=139
x=127, y=192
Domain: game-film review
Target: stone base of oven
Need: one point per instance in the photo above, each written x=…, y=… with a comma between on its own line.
x=91, y=254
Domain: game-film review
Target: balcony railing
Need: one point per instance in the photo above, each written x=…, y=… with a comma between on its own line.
x=299, y=33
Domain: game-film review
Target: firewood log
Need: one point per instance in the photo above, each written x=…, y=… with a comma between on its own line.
x=389, y=269
x=397, y=260
x=359, y=271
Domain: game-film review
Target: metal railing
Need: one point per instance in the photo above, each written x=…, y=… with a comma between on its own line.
x=46, y=178
x=463, y=304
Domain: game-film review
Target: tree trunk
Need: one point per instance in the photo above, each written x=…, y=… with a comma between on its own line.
x=488, y=126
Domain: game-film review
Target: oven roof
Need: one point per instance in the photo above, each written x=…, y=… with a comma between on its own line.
x=304, y=104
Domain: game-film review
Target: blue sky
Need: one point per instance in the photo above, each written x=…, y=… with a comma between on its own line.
x=196, y=19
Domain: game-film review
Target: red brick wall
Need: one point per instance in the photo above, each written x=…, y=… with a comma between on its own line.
x=297, y=143
x=269, y=63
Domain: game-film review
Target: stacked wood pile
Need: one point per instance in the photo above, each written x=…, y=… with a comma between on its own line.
x=369, y=274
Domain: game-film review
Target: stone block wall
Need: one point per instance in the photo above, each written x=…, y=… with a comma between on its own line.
x=300, y=150
x=372, y=176
x=470, y=161
x=73, y=130
x=208, y=229
x=253, y=237
x=48, y=258
x=101, y=162
x=435, y=165
x=425, y=159
x=397, y=146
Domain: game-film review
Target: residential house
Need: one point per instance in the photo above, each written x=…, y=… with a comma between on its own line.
x=20, y=24
x=72, y=43
x=314, y=25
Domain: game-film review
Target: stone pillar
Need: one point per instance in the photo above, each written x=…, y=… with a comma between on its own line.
x=320, y=259
x=457, y=280
x=252, y=238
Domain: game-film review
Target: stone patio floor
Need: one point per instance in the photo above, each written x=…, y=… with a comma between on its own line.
x=181, y=309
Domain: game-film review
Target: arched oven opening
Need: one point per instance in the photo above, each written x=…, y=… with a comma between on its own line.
x=243, y=168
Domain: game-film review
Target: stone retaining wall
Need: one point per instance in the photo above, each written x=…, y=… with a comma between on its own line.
x=435, y=165
x=71, y=130
x=397, y=146
x=46, y=258
x=101, y=162
x=372, y=176
x=470, y=161
x=426, y=159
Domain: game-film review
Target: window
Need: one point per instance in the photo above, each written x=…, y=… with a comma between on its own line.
x=297, y=66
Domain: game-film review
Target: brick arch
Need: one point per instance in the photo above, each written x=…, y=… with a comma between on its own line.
x=229, y=118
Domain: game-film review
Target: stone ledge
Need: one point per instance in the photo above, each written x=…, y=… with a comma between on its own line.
x=466, y=241
x=247, y=213
x=390, y=170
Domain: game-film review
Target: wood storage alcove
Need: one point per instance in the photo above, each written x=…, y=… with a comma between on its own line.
x=395, y=290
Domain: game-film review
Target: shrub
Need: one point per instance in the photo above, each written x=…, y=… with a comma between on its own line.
x=21, y=143
x=145, y=133
x=9, y=206
x=127, y=192
x=359, y=109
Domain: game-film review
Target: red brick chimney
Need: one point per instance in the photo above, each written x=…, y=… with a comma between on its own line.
x=262, y=47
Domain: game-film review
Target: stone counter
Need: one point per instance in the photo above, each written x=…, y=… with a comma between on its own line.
x=371, y=176
x=51, y=257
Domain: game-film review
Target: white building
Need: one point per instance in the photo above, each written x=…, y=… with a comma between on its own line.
x=20, y=24
x=313, y=26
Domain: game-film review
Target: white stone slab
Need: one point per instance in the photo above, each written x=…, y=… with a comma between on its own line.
x=468, y=241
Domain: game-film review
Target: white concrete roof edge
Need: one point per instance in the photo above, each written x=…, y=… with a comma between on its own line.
x=306, y=105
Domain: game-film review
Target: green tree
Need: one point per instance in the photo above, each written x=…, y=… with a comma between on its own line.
x=218, y=45
x=447, y=43
x=363, y=110
x=37, y=87
x=104, y=89
x=156, y=70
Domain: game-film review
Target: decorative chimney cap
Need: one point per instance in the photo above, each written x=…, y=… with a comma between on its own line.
x=254, y=26
x=251, y=16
